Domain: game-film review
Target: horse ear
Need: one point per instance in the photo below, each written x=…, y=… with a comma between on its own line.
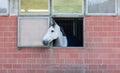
x=53, y=23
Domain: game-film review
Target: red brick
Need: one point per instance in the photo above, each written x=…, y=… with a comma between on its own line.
x=111, y=67
x=115, y=71
x=31, y=61
x=58, y=71
x=93, y=24
x=109, y=18
x=89, y=29
x=97, y=61
x=1, y=44
x=8, y=34
x=64, y=55
x=69, y=61
x=8, y=66
x=17, y=66
x=13, y=40
x=36, y=66
x=3, y=71
x=26, y=66
x=12, y=61
x=40, y=71
x=59, y=61
x=93, y=67
x=3, y=18
x=44, y=55
x=106, y=61
x=12, y=49
x=1, y=34
x=74, y=56
x=2, y=49
x=98, y=29
x=8, y=55
x=12, y=28
x=102, y=34
x=26, y=55
x=11, y=71
x=79, y=61
x=89, y=18
x=1, y=40
x=31, y=71
x=112, y=56
x=7, y=45
x=24, y=61
x=3, y=28
x=100, y=18
x=35, y=55
x=21, y=71
x=89, y=61
x=2, y=61
x=17, y=56
x=1, y=66
x=115, y=61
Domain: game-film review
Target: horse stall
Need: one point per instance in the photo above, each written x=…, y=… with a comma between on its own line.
x=73, y=28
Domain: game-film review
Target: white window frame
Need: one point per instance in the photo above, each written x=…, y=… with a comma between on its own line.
x=118, y=5
x=14, y=7
x=101, y=14
x=5, y=14
x=33, y=13
x=67, y=14
x=19, y=32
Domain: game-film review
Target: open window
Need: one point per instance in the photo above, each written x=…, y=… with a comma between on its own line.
x=73, y=28
x=34, y=7
x=70, y=16
x=4, y=7
x=31, y=31
x=101, y=7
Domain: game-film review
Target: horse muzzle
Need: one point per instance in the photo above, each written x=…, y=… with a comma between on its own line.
x=45, y=42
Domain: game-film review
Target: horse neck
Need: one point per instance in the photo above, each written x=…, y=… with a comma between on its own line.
x=61, y=41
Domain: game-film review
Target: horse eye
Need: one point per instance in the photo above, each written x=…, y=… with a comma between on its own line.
x=52, y=30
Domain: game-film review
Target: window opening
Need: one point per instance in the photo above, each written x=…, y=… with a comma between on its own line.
x=73, y=28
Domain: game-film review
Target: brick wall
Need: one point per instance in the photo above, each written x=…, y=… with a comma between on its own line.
x=100, y=55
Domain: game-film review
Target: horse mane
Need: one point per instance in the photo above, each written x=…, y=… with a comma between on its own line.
x=61, y=28
x=63, y=32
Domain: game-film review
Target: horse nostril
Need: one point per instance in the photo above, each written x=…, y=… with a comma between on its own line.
x=45, y=42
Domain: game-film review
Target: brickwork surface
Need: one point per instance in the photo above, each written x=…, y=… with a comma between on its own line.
x=101, y=53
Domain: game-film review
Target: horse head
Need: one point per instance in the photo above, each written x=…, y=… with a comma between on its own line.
x=52, y=34
x=55, y=32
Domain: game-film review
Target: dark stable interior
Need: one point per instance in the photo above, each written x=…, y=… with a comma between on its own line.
x=73, y=28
